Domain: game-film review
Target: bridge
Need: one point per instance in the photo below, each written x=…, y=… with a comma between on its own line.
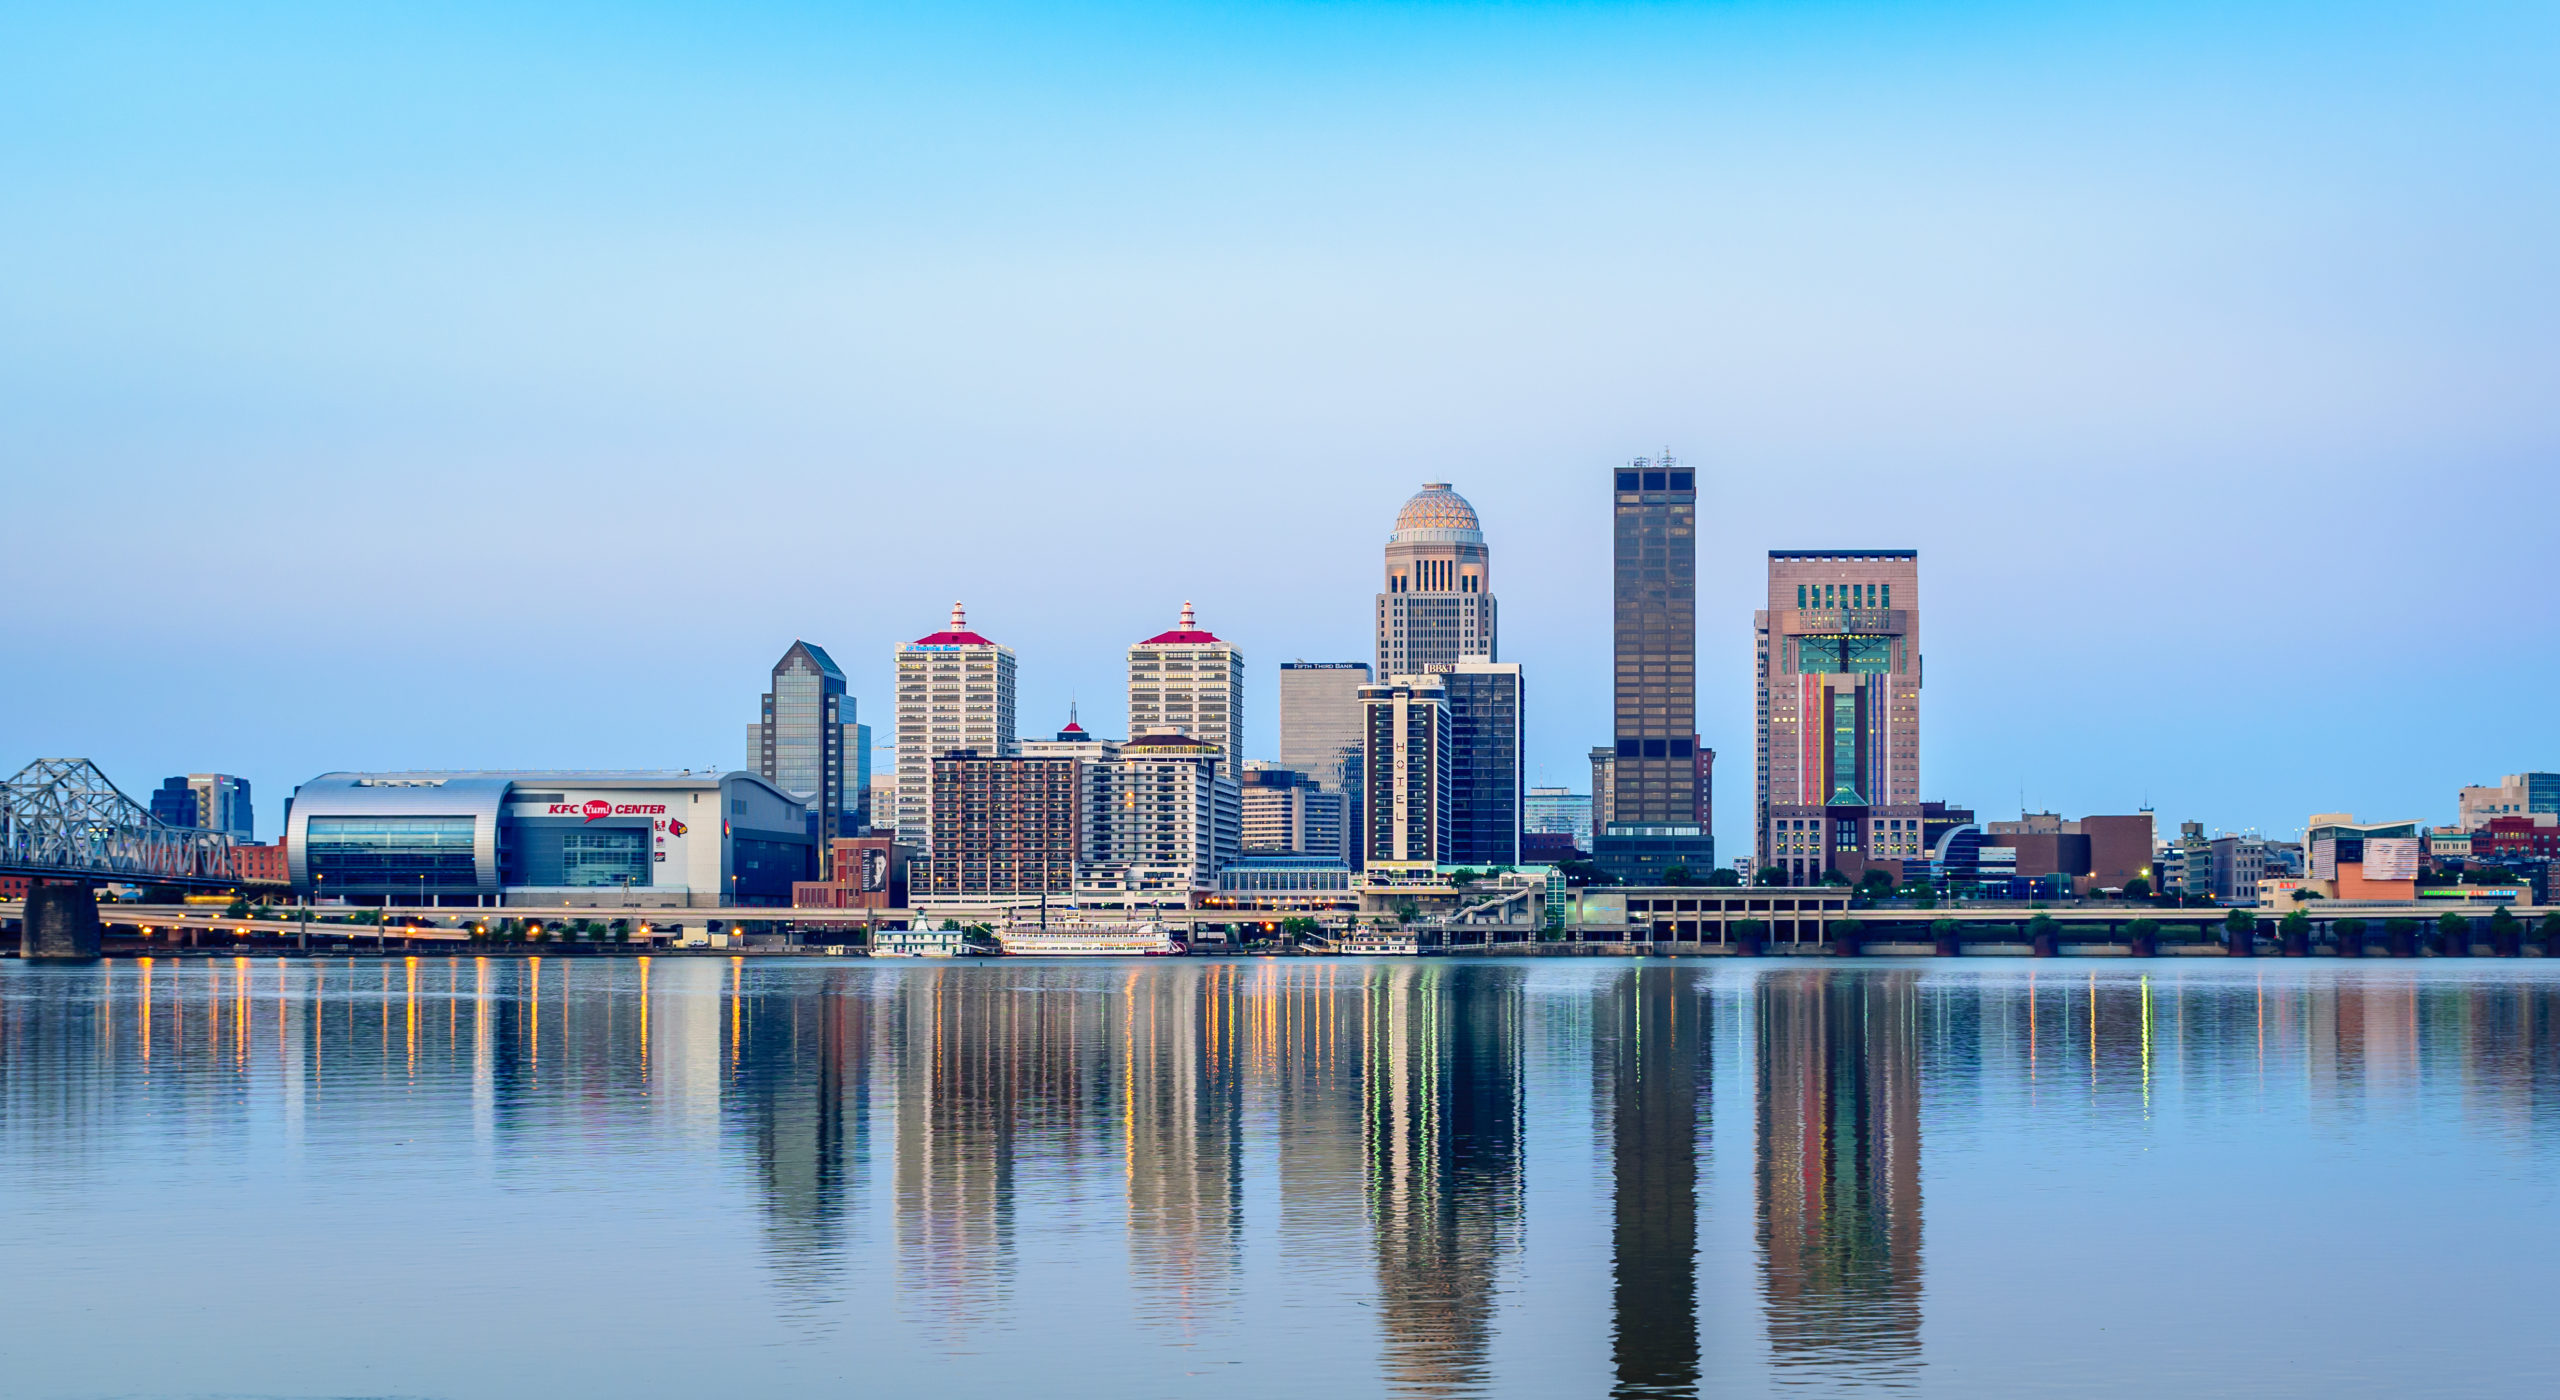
x=66, y=829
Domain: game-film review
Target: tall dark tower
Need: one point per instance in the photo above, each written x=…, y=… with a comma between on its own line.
x=1658, y=773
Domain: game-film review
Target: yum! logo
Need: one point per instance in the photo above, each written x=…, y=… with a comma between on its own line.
x=597, y=809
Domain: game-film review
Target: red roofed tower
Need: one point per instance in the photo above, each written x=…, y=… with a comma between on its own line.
x=1187, y=681
x=955, y=691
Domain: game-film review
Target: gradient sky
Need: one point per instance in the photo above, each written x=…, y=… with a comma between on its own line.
x=449, y=386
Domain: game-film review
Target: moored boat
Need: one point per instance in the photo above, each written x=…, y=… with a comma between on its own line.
x=1088, y=938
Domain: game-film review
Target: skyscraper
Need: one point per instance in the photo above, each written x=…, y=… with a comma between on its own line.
x=1321, y=733
x=207, y=802
x=1187, y=681
x=955, y=691
x=806, y=741
x=1437, y=609
x=1320, y=720
x=1405, y=763
x=1839, y=711
x=1659, y=813
x=222, y=804
x=1486, y=705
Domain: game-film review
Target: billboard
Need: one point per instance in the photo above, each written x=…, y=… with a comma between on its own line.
x=2324, y=858
x=2391, y=858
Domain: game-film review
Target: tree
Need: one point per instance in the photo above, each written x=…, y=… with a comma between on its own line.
x=2039, y=925
x=1723, y=878
x=2143, y=928
x=1769, y=875
x=2137, y=888
x=1407, y=912
x=2295, y=926
x=2350, y=934
x=1748, y=929
x=1877, y=883
x=2453, y=932
x=1464, y=876
x=1300, y=926
x=238, y=909
x=951, y=926
x=1676, y=875
x=2550, y=934
x=1833, y=876
x=2241, y=922
x=1946, y=928
x=2503, y=929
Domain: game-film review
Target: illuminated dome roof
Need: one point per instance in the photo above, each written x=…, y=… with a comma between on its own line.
x=1437, y=508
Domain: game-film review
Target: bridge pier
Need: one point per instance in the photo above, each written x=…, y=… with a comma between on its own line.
x=61, y=922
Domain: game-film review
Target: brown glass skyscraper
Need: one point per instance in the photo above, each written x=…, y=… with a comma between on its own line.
x=1658, y=808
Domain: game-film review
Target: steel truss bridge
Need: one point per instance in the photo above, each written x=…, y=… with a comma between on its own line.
x=60, y=819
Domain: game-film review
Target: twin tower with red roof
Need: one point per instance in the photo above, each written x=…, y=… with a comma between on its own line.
x=956, y=688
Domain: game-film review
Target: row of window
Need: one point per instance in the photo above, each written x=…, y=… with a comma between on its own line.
x=1657, y=481
x=1844, y=595
x=1655, y=748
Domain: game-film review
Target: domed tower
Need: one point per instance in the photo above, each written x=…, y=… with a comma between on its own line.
x=1437, y=607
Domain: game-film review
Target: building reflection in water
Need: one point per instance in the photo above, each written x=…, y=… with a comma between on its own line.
x=801, y=1103
x=1839, y=1175
x=1650, y=1063
x=1441, y=1132
x=1182, y=1147
x=1119, y=1112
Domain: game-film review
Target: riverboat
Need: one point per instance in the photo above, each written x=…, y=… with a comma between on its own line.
x=1080, y=938
x=1378, y=945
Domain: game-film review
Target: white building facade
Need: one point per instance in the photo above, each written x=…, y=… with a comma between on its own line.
x=955, y=691
x=1174, y=820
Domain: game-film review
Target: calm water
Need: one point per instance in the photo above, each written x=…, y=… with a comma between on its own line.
x=696, y=1177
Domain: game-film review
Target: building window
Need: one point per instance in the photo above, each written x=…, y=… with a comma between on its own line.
x=602, y=858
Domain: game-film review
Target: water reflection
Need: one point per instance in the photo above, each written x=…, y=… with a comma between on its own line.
x=1291, y=1162
x=1839, y=1175
x=1654, y=1076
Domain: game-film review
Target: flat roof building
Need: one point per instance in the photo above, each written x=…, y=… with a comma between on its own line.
x=1838, y=712
x=1651, y=808
x=633, y=839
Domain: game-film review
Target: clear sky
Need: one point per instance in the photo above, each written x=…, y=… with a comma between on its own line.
x=451, y=385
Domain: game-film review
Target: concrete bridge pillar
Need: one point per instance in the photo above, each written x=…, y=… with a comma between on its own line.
x=61, y=923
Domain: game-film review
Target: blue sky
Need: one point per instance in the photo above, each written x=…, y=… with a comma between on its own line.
x=451, y=386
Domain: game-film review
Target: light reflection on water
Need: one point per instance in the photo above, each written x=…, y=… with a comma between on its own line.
x=1417, y=1178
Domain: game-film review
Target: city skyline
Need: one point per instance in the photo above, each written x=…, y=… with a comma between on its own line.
x=2108, y=315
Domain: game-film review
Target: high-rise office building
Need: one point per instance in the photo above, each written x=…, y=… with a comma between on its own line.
x=1320, y=720
x=1321, y=733
x=1187, y=681
x=1561, y=812
x=1659, y=813
x=207, y=802
x=1437, y=608
x=807, y=742
x=174, y=803
x=222, y=804
x=1288, y=813
x=1405, y=762
x=1486, y=705
x=1839, y=712
x=955, y=691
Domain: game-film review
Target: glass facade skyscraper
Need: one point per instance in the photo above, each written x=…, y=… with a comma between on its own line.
x=1321, y=733
x=807, y=741
x=1486, y=705
x=1659, y=810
